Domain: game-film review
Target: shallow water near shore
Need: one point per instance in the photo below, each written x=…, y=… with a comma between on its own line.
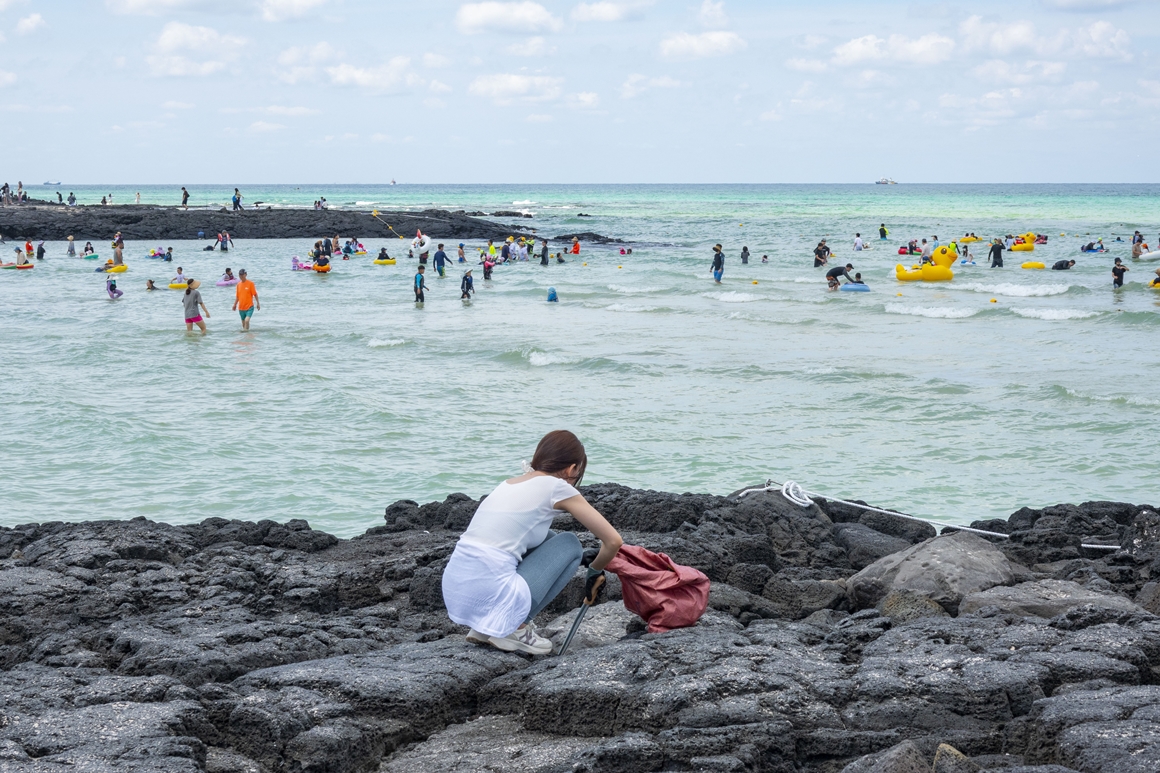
x=345, y=397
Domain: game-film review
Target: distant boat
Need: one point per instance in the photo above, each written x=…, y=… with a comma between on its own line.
x=886, y=181
x=52, y=183
x=392, y=182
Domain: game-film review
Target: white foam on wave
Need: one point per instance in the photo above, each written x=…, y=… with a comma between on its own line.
x=1056, y=314
x=732, y=296
x=934, y=312
x=630, y=307
x=634, y=290
x=364, y=203
x=381, y=343
x=801, y=280
x=1128, y=399
x=540, y=359
x=525, y=202
x=1014, y=290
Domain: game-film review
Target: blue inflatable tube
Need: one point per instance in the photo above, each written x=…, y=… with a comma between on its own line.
x=855, y=288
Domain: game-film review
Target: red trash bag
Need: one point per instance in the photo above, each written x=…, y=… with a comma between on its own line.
x=665, y=595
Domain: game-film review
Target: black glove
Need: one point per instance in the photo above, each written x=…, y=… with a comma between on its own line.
x=593, y=586
x=589, y=556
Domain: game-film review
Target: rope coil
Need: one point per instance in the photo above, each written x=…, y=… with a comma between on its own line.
x=793, y=492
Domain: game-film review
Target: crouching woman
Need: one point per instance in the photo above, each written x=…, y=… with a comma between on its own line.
x=509, y=565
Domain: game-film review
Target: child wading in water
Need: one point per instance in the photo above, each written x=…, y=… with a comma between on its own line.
x=420, y=285
x=467, y=286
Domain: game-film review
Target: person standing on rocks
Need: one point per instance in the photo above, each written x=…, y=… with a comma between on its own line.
x=184, y=198
x=237, y=200
x=509, y=565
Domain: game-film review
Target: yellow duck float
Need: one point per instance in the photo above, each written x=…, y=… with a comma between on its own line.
x=939, y=271
x=1028, y=244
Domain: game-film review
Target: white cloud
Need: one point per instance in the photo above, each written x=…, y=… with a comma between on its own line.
x=187, y=50
x=505, y=17
x=1101, y=39
x=1000, y=71
x=536, y=46
x=638, y=84
x=810, y=42
x=928, y=49
x=807, y=65
x=438, y=87
x=435, y=61
x=1090, y=5
x=174, y=105
x=262, y=127
x=30, y=24
x=599, y=12
x=684, y=45
x=713, y=13
x=770, y=115
x=279, y=10
x=390, y=76
x=584, y=100
x=539, y=118
x=301, y=63
x=503, y=88
x=295, y=111
x=7, y=78
x=146, y=7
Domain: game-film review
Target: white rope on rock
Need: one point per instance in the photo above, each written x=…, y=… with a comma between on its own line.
x=793, y=492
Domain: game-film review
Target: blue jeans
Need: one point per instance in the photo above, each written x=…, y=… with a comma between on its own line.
x=548, y=567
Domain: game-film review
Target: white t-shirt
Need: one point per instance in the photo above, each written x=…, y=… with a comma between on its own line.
x=858, y=244
x=516, y=516
x=480, y=586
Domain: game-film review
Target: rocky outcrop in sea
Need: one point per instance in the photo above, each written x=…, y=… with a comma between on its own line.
x=98, y=224
x=836, y=640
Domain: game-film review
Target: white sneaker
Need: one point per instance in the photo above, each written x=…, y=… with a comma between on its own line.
x=522, y=640
x=475, y=637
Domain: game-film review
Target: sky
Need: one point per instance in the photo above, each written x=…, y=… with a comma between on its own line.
x=554, y=91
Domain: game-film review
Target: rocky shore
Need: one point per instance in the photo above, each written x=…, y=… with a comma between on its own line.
x=836, y=640
x=151, y=223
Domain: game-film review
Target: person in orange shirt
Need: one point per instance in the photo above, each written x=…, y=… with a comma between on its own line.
x=247, y=299
x=575, y=245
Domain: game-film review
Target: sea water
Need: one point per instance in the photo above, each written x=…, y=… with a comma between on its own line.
x=345, y=397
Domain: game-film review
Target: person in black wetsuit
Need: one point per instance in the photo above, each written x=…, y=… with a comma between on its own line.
x=1118, y=272
x=821, y=254
x=882, y=232
x=996, y=254
x=718, y=264
x=543, y=252
x=1062, y=265
x=745, y=256
x=838, y=272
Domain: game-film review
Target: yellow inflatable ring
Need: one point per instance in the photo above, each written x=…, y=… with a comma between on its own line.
x=390, y=262
x=924, y=274
x=322, y=269
x=1034, y=264
x=121, y=269
x=179, y=286
x=969, y=240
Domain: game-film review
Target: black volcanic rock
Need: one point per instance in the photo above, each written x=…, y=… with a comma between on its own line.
x=257, y=646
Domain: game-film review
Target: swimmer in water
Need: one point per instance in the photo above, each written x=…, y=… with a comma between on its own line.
x=857, y=280
x=466, y=286
x=1062, y=265
x=420, y=285
x=111, y=288
x=821, y=254
x=229, y=275
x=149, y=285
x=552, y=297
x=441, y=261
x=764, y=258
x=89, y=248
x=718, y=264
x=1118, y=272
x=838, y=272
x=169, y=255
x=179, y=279
x=462, y=255
x=383, y=254
x=1156, y=281
x=882, y=232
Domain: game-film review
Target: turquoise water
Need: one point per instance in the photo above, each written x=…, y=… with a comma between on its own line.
x=345, y=397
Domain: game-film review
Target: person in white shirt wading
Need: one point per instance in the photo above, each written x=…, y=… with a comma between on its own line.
x=509, y=565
